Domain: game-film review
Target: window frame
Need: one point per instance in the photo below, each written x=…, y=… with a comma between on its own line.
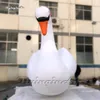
x=84, y=44
x=8, y=10
x=6, y=49
x=53, y=7
x=83, y=11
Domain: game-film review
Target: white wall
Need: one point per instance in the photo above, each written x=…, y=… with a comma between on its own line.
x=84, y=27
x=8, y=21
x=22, y=73
x=73, y=27
x=96, y=14
x=3, y=73
x=28, y=23
x=96, y=28
x=61, y=13
x=8, y=73
x=72, y=11
x=96, y=50
x=84, y=2
x=63, y=1
x=96, y=2
x=29, y=7
x=63, y=42
x=73, y=46
x=12, y=73
x=26, y=48
x=89, y=73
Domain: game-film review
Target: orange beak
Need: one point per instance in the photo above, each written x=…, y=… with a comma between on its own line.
x=43, y=26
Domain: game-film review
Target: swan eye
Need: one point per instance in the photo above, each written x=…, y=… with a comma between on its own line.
x=41, y=19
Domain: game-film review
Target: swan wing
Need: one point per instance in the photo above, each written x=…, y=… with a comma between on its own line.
x=32, y=64
x=68, y=60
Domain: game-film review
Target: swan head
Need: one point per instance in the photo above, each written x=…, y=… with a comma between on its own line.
x=42, y=15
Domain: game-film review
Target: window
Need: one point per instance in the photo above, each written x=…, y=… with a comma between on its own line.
x=83, y=12
x=84, y=48
x=55, y=38
x=9, y=6
x=8, y=47
x=52, y=6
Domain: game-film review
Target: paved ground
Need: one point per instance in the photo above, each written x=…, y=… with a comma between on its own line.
x=73, y=93
x=8, y=93
x=8, y=89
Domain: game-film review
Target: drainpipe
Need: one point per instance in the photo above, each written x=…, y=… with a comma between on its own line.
x=61, y=27
x=69, y=25
x=93, y=23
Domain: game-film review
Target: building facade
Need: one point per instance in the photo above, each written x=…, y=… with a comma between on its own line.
x=75, y=24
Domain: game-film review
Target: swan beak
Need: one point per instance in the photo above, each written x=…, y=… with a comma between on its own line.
x=43, y=26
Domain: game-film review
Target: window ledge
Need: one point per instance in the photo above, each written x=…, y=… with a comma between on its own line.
x=8, y=64
x=84, y=20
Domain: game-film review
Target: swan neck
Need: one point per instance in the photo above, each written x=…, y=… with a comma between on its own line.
x=48, y=40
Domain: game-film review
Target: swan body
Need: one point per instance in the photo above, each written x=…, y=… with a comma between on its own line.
x=49, y=69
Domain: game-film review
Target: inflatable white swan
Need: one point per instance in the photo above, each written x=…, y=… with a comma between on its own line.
x=49, y=69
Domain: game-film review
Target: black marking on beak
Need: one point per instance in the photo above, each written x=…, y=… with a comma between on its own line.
x=41, y=19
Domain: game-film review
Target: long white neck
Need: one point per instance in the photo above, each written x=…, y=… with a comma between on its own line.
x=47, y=41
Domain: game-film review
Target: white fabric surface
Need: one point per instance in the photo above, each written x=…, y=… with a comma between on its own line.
x=73, y=93
x=50, y=64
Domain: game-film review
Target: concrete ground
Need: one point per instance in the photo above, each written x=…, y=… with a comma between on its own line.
x=73, y=93
x=8, y=89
